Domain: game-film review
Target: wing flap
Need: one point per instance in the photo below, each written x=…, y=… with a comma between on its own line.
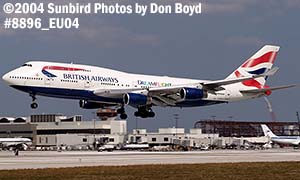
x=114, y=92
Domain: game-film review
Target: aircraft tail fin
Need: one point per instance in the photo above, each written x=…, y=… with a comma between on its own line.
x=267, y=131
x=260, y=63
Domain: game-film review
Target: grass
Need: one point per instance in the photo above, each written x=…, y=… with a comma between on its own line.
x=222, y=171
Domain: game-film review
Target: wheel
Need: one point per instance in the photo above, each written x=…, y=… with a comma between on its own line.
x=121, y=111
x=137, y=114
x=34, y=105
x=144, y=115
x=151, y=114
x=123, y=116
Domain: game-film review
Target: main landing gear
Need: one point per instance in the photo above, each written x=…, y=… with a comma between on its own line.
x=144, y=112
x=122, y=113
x=33, y=105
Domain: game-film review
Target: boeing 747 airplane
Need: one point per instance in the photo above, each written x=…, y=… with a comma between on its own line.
x=18, y=143
x=97, y=87
x=293, y=140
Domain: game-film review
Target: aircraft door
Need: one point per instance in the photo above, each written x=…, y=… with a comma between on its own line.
x=48, y=81
x=48, y=78
x=135, y=84
x=87, y=84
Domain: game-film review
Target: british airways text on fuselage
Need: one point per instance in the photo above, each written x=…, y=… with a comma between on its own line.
x=90, y=78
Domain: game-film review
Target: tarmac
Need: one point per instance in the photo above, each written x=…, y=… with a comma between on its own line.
x=53, y=159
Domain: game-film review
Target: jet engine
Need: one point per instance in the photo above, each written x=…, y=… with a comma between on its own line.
x=135, y=100
x=192, y=93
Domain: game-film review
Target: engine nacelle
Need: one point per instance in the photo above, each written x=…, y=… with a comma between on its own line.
x=136, y=99
x=89, y=105
x=192, y=93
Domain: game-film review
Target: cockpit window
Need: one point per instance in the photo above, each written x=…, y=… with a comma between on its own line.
x=29, y=65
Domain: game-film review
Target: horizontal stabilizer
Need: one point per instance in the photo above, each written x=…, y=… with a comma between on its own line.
x=267, y=89
x=215, y=84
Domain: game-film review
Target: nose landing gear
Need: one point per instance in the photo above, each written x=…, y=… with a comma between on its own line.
x=33, y=105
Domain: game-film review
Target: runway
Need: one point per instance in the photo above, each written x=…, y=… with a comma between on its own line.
x=53, y=159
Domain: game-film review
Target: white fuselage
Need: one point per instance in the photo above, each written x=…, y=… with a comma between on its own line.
x=14, y=141
x=294, y=140
x=98, y=87
x=74, y=81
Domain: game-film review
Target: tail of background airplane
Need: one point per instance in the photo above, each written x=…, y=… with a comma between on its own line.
x=267, y=131
x=261, y=62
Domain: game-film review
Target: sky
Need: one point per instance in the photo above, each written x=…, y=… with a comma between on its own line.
x=208, y=46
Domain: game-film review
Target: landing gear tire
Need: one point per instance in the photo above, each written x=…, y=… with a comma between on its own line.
x=144, y=113
x=34, y=105
x=121, y=110
x=151, y=114
x=123, y=116
x=122, y=113
x=137, y=114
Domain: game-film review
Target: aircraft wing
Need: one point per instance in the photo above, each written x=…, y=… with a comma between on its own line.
x=168, y=96
x=117, y=91
x=113, y=92
x=172, y=89
x=172, y=93
x=164, y=96
x=263, y=90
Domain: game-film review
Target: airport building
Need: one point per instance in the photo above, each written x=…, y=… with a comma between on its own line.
x=48, y=130
x=247, y=128
x=171, y=136
x=195, y=138
x=59, y=131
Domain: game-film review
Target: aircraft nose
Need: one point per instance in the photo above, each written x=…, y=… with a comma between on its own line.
x=5, y=77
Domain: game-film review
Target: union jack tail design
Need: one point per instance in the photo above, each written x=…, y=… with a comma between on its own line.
x=261, y=62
